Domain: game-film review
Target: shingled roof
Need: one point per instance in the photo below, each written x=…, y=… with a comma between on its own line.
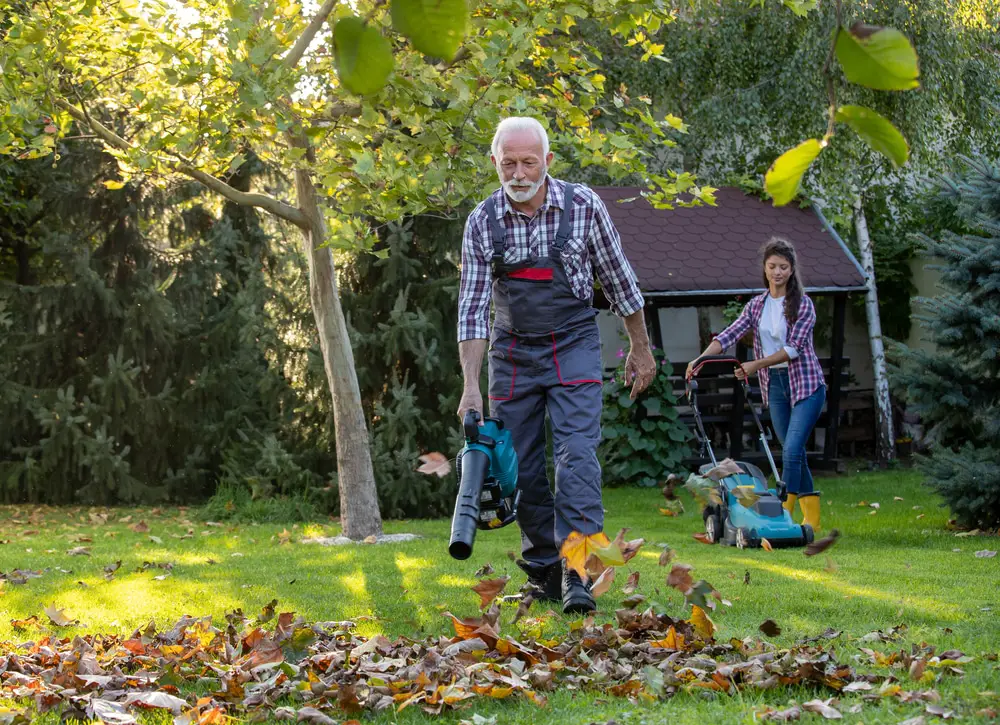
x=715, y=250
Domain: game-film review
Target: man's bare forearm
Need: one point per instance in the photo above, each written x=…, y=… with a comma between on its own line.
x=635, y=326
x=470, y=354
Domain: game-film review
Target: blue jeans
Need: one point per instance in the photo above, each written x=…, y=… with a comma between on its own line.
x=793, y=424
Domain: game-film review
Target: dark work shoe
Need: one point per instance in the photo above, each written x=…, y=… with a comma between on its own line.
x=546, y=580
x=576, y=596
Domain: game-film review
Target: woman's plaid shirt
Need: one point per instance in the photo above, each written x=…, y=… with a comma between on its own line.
x=804, y=372
x=594, y=246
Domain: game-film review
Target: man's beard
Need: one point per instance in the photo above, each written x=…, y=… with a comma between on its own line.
x=522, y=194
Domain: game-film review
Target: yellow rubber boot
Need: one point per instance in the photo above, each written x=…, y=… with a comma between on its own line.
x=810, y=510
x=789, y=503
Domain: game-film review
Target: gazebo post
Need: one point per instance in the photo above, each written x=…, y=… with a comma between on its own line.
x=836, y=365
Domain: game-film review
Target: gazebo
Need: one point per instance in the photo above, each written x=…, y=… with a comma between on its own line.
x=707, y=256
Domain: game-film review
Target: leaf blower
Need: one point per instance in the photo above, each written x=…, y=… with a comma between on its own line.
x=487, y=482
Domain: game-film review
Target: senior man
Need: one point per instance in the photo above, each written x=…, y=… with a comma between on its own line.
x=532, y=248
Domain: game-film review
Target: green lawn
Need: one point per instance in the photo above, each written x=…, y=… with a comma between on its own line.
x=888, y=568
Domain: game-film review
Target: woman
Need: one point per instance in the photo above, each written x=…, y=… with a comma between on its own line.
x=791, y=379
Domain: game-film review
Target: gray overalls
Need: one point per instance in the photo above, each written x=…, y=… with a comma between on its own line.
x=545, y=355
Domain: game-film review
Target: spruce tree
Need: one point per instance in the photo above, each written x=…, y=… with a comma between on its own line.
x=956, y=388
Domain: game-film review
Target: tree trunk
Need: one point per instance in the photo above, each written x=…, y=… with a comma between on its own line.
x=359, y=512
x=886, y=446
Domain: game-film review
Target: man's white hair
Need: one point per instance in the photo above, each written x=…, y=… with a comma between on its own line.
x=519, y=123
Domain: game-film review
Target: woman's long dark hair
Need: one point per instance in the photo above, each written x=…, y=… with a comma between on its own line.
x=778, y=247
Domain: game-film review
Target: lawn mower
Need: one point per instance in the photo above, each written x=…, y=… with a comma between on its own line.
x=745, y=511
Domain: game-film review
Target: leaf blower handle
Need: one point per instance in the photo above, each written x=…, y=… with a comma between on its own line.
x=471, y=426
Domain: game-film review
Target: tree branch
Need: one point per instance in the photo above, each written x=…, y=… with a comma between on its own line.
x=302, y=44
x=267, y=203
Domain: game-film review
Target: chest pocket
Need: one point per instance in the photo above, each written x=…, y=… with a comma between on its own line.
x=576, y=264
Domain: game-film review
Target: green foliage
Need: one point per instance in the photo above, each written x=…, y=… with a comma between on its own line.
x=363, y=56
x=401, y=305
x=643, y=440
x=141, y=359
x=236, y=503
x=956, y=388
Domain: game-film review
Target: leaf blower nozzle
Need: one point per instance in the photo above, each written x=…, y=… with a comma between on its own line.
x=487, y=483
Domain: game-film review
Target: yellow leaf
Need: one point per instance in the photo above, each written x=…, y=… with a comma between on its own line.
x=577, y=549
x=766, y=545
x=112, y=185
x=671, y=641
x=701, y=622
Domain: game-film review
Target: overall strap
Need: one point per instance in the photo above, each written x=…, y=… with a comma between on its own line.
x=496, y=232
x=563, y=233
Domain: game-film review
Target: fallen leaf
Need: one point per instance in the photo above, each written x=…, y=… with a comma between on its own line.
x=140, y=528
x=897, y=498
x=770, y=628
x=489, y=589
x=792, y=713
x=371, y=539
x=702, y=537
x=821, y=545
x=435, y=463
x=985, y=554
x=157, y=700
x=79, y=551
x=701, y=622
x=824, y=708
x=941, y=711
x=314, y=717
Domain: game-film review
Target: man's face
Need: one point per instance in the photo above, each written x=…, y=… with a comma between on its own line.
x=521, y=166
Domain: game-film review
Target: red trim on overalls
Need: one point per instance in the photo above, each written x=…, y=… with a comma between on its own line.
x=513, y=374
x=535, y=274
x=559, y=373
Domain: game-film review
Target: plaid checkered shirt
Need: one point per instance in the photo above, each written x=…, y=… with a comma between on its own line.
x=594, y=246
x=804, y=372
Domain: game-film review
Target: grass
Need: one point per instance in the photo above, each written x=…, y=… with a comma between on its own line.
x=888, y=568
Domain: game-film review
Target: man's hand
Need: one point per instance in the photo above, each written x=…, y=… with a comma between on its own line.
x=472, y=399
x=640, y=369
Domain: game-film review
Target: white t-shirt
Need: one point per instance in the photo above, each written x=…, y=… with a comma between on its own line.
x=773, y=329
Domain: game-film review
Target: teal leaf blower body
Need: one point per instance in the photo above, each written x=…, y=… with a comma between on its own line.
x=487, y=482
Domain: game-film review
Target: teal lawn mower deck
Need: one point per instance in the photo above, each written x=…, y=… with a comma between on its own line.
x=746, y=512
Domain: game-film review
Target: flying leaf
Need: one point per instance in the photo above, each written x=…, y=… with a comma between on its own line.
x=702, y=595
x=434, y=27
x=267, y=613
x=363, y=57
x=435, y=463
x=628, y=549
x=631, y=584
x=821, y=545
x=603, y=582
x=58, y=617
x=489, y=589
x=766, y=545
x=726, y=467
x=702, y=537
x=523, y=607
x=666, y=556
x=824, y=708
x=746, y=496
x=879, y=58
x=770, y=628
x=680, y=578
x=484, y=571
x=701, y=622
x=784, y=178
x=577, y=548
